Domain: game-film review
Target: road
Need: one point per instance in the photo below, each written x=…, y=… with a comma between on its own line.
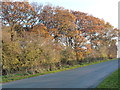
x=84, y=77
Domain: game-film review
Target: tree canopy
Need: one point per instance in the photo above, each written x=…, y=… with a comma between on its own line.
x=45, y=37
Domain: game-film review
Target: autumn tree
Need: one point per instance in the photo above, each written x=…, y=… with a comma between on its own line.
x=17, y=13
x=39, y=38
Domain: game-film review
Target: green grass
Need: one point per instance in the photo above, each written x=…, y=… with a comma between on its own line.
x=14, y=77
x=111, y=81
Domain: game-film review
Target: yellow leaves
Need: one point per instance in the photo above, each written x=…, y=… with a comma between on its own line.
x=44, y=61
x=16, y=61
x=88, y=52
x=62, y=29
x=78, y=32
x=77, y=36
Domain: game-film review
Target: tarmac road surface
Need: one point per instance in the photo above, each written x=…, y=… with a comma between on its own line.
x=84, y=77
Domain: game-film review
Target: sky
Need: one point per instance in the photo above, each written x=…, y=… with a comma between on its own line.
x=103, y=9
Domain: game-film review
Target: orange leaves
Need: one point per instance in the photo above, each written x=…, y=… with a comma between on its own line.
x=44, y=27
x=53, y=29
x=42, y=31
x=41, y=24
x=64, y=19
x=27, y=23
x=57, y=21
x=89, y=49
x=16, y=12
x=77, y=32
x=80, y=55
x=88, y=45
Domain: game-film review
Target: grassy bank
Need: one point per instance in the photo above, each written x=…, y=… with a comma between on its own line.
x=13, y=77
x=111, y=81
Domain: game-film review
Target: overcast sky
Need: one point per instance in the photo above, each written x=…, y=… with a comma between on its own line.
x=103, y=9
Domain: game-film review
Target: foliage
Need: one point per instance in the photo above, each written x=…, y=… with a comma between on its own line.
x=13, y=77
x=39, y=38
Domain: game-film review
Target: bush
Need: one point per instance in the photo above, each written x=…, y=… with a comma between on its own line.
x=68, y=56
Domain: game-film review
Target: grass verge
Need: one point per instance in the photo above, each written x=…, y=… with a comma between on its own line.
x=111, y=81
x=14, y=77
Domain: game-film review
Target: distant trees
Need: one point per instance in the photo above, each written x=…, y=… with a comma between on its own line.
x=37, y=38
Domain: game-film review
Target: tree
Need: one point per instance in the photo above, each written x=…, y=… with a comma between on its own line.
x=17, y=13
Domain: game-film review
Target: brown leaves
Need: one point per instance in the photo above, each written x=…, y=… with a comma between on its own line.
x=46, y=21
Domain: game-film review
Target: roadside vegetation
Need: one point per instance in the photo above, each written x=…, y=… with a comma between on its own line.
x=111, y=81
x=41, y=38
x=14, y=77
